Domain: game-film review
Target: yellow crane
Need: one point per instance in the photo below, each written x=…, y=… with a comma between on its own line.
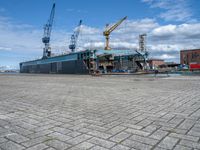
x=107, y=32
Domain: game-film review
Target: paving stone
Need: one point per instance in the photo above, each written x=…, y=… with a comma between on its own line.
x=159, y=134
x=74, y=134
x=116, y=130
x=50, y=148
x=190, y=144
x=11, y=146
x=39, y=134
x=82, y=146
x=102, y=142
x=159, y=148
x=168, y=142
x=151, y=128
x=194, y=133
x=38, y=147
x=138, y=132
x=120, y=147
x=136, y=145
x=98, y=128
x=187, y=124
x=22, y=131
x=2, y=140
x=120, y=137
x=180, y=147
x=145, y=123
x=84, y=130
x=35, y=141
x=59, y=136
x=27, y=126
x=99, y=134
x=57, y=144
x=17, y=138
x=184, y=137
x=79, y=139
x=98, y=148
x=61, y=130
x=144, y=140
x=132, y=126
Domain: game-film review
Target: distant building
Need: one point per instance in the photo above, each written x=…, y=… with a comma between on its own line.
x=190, y=56
x=155, y=63
x=169, y=65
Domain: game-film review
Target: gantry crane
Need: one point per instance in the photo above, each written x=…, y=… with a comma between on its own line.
x=107, y=32
x=74, y=37
x=47, y=34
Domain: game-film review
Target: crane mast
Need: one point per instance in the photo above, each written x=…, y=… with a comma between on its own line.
x=74, y=38
x=107, y=32
x=47, y=34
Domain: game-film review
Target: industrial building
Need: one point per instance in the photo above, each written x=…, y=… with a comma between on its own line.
x=87, y=62
x=105, y=60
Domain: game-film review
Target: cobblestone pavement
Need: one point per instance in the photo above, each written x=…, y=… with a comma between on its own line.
x=48, y=112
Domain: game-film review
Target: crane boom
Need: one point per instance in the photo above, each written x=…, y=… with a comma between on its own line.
x=116, y=25
x=47, y=33
x=107, y=32
x=74, y=37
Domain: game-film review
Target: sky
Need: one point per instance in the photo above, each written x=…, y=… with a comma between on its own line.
x=170, y=25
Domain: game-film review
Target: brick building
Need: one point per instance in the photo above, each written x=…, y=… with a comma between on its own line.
x=155, y=63
x=190, y=56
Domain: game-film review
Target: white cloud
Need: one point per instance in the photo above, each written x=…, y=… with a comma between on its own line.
x=8, y=67
x=164, y=30
x=137, y=26
x=5, y=48
x=86, y=30
x=165, y=57
x=173, y=10
x=182, y=31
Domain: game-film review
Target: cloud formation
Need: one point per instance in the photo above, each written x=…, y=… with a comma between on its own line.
x=174, y=10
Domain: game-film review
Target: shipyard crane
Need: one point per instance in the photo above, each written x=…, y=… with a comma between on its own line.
x=47, y=34
x=74, y=37
x=107, y=32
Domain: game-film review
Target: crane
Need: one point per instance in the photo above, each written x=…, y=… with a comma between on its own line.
x=107, y=32
x=74, y=37
x=47, y=34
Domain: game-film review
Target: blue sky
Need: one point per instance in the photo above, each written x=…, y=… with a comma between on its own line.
x=170, y=25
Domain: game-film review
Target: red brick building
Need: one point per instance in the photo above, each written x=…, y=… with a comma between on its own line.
x=190, y=56
x=155, y=63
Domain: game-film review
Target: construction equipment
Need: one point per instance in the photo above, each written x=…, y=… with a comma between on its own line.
x=108, y=30
x=142, y=42
x=47, y=34
x=74, y=37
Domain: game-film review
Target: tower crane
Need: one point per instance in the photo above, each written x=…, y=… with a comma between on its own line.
x=107, y=32
x=47, y=34
x=74, y=37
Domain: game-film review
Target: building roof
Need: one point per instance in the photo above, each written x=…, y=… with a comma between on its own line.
x=155, y=59
x=190, y=50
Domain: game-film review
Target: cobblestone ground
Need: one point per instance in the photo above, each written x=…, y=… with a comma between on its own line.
x=48, y=112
